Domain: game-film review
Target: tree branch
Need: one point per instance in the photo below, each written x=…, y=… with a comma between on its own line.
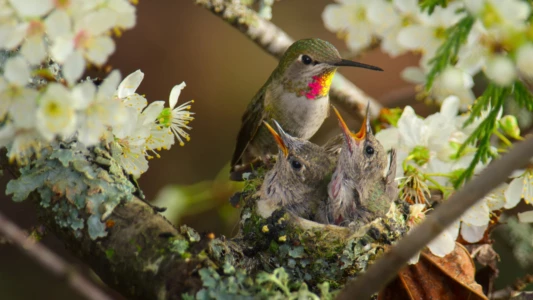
x=275, y=41
x=136, y=257
x=50, y=260
x=386, y=268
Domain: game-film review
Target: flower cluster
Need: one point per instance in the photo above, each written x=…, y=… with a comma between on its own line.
x=150, y=128
x=427, y=158
x=72, y=33
x=491, y=35
x=43, y=101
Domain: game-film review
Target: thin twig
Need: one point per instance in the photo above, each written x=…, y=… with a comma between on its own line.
x=386, y=268
x=275, y=41
x=50, y=260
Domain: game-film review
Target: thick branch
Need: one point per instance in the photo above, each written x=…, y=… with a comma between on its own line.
x=135, y=257
x=275, y=41
x=386, y=268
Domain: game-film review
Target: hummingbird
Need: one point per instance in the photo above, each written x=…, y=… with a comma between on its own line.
x=362, y=187
x=295, y=94
x=298, y=180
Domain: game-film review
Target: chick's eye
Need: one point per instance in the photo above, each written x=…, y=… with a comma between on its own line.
x=296, y=164
x=369, y=150
x=306, y=60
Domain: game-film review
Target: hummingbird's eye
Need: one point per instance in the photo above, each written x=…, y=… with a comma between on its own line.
x=296, y=164
x=306, y=60
x=369, y=150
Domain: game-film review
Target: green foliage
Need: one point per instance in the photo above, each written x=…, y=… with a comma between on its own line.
x=447, y=52
x=491, y=101
x=239, y=285
x=488, y=108
x=431, y=4
x=522, y=96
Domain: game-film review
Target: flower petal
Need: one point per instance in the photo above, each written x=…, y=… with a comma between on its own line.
x=152, y=111
x=32, y=8
x=513, y=194
x=445, y=242
x=174, y=94
x=501, y=70
x=100, y=49
x=472, y=233
x=73, y=67
x=526, y=217
x=57, y=24
x=109, y=86
x=17, y=71
x=34, y=49
x=129, y=85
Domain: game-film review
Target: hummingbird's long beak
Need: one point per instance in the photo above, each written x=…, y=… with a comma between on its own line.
x=349, y=63
x=279, y=140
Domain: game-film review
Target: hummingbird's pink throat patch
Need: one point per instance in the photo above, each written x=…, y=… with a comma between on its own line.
x=319, y=87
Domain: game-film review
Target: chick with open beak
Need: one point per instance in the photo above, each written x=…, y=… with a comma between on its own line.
x=299, y=178
x=362, y=186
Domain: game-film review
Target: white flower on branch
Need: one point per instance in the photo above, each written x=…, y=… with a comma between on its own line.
x=390, y=19
x=97, y=108
x=521, y=187
x=150, y=128
x=429, y=34
x=56, y=115
x=177, y=118
x=13, y=84
x=350, y=19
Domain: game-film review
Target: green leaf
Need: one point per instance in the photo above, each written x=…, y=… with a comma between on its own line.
x=447, y=52
x=431, y=4
x=493, y=98
x=522, y=96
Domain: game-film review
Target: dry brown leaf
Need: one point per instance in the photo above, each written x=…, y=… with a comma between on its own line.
x=433, y=277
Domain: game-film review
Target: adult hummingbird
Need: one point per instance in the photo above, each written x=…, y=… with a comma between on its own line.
x=295, y=94
x=362, y=187
x=298, y=180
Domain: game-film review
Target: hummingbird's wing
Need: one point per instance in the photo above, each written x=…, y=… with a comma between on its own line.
x=251, y=122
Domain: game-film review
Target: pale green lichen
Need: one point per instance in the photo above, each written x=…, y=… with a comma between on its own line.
x=265, y=285
x=191, y=233
x=179, y=246
x=79, y=191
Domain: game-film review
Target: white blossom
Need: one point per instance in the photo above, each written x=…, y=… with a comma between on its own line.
x=521, y=187
x=98, y=109
x=429, y=34
x=56, y=115
x=351, y=20
x=13, y=84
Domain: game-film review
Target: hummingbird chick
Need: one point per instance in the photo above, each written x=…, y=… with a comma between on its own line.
x=362, y=187
x=295, y=94
x=299, y=178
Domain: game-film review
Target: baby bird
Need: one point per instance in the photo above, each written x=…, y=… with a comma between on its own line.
x=299, y=178
x=362, y=186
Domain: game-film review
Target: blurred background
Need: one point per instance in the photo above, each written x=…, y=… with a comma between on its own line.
x=176, y=41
